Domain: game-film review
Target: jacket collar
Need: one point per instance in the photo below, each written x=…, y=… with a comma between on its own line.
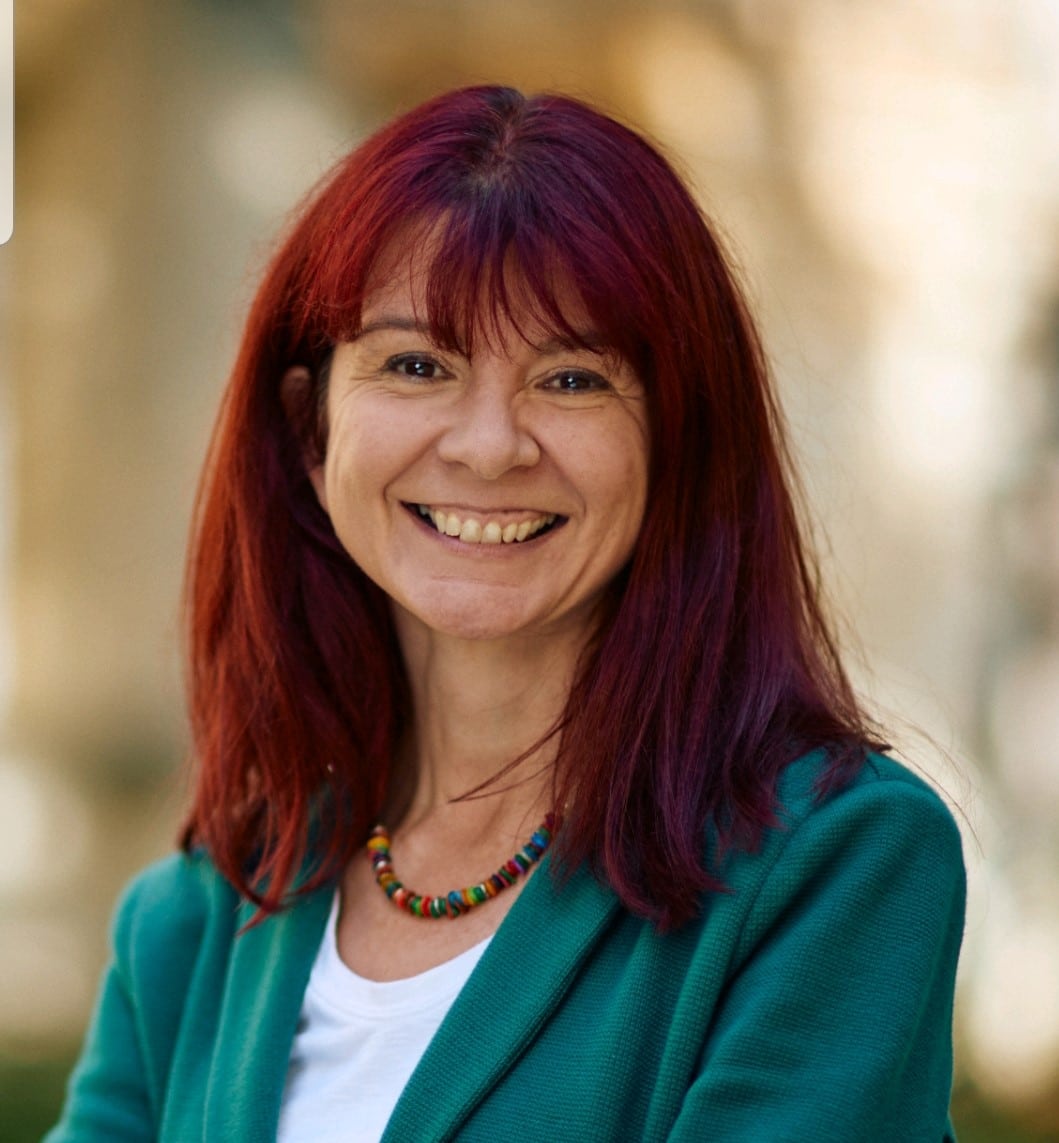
x=558, y=923
x=266, y=979
x=538, y=947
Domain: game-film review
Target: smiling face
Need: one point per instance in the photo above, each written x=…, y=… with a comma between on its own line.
x=489, y=496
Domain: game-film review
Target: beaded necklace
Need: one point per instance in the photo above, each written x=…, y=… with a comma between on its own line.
x=458, y=901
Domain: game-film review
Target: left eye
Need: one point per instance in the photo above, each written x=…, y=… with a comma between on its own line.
x=415, y=366
x=576, y=381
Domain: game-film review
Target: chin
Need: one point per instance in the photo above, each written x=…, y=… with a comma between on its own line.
x=478, y=624
x=464, y=618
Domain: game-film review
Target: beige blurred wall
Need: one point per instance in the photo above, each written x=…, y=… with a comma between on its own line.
x=886, y=177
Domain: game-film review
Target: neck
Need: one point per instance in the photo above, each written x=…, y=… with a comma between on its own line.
x=480, y=705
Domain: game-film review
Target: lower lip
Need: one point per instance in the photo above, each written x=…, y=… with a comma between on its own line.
x=455, y=544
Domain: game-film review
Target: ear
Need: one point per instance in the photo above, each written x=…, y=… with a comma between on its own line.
x=297, y=394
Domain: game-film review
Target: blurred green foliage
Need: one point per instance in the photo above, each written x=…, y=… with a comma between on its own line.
x=31, y=1094
x=978, y=1121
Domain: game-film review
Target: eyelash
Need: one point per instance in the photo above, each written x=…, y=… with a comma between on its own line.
x=396, y=365
x=593, y=380
x=403, y=363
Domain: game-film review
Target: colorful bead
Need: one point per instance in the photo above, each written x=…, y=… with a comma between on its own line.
x=458, y=901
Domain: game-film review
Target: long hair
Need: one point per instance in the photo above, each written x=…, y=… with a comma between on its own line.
x=713, y=665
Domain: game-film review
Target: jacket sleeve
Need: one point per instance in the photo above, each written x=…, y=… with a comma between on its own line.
x=114, y=1091
x=107, y=1097
x=837, y=1022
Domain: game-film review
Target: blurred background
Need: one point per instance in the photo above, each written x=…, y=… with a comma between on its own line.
x=886, y=177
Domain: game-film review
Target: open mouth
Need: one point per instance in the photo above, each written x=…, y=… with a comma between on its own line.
x=471, y=530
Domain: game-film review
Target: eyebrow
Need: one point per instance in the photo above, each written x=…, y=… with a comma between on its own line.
x=393, y=322
x=589, y=340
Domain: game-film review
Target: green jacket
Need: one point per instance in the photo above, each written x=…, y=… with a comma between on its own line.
x=810, y=1004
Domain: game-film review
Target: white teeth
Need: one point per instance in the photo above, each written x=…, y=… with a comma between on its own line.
x=472, y=531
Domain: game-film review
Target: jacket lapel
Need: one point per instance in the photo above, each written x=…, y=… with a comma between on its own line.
x=267, y=976
x=519, y=981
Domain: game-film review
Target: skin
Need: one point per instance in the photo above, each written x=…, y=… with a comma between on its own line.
x=525, y=429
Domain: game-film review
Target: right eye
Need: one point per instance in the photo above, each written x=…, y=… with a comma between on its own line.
x=416, y=366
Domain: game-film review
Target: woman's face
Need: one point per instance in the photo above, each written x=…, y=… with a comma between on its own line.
x=490, y=496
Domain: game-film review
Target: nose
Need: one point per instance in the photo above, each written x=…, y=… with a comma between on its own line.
x=488, y=432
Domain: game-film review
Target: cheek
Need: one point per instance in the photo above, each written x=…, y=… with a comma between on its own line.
x=356, y=450
x=369, y=453
x=621, y=465
x=631, y=487
x=339, y=481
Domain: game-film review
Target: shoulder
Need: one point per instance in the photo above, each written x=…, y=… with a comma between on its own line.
x=168, y=911
x=882, y=790
x=884, y=838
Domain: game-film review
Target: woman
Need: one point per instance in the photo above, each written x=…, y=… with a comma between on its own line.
x=496, y=546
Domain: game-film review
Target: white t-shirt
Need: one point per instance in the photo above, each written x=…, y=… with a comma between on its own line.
x=358, y=1042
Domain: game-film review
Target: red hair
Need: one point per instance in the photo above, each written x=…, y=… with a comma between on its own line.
x=713, y=665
